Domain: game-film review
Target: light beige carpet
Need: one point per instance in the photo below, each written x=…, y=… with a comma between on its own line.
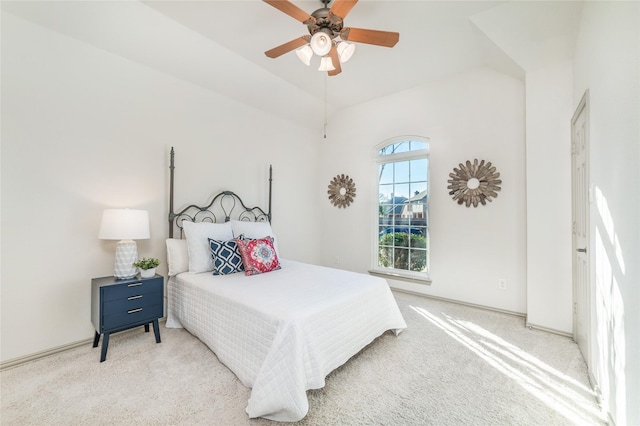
x=454, y=365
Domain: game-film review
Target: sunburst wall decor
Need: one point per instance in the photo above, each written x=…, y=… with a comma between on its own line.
x=342, y=191
x=474, y=184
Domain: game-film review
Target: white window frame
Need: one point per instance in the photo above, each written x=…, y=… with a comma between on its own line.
x=405, y=275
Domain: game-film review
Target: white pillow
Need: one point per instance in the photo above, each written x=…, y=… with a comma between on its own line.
x=254, y=230
x=198, y=234
x=177, y=256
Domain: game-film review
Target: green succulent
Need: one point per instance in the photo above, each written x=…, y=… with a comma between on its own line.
x=147, y=263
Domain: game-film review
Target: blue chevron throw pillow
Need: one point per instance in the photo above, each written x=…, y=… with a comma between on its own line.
x=226, y=257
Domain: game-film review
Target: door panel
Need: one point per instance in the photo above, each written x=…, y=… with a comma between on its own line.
x=580, y=217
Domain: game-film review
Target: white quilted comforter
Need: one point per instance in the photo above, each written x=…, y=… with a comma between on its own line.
x=283, y=332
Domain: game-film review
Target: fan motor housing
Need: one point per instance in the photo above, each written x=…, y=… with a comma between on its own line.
x=325, y=21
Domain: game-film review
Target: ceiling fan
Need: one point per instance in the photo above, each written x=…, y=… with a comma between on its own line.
x=328, y=37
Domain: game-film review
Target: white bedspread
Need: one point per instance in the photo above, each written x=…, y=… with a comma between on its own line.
x=282, y=332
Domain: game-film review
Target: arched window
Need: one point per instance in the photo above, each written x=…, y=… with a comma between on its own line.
x=402, y=228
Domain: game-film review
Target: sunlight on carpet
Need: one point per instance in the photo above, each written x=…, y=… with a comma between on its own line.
x=558, y=391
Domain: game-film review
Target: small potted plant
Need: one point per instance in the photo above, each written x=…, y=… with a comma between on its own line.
x=147, y=266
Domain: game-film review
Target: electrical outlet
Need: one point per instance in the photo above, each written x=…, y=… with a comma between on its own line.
x=502, y=284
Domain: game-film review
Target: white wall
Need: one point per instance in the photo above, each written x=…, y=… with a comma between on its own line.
x=607, y=63
x=479, y=114
x=549, y=108
x=84, y=130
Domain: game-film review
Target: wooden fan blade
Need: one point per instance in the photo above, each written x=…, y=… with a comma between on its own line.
x=333, y=53
x=342, y=7
x=290, y=9
x=286, y=47
x=379, y=38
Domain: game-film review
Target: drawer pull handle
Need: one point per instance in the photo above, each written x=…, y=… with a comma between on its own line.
x=134, y=297
x=134, y=284
x=133, y=311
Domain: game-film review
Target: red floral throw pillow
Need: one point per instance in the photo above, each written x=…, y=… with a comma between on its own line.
x=258, y=256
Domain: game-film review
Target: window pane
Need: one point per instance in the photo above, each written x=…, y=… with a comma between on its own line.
x=416, y=145
x=401, y=259
x=401, y=171
x=419, y=169
x=418, y=260
x=385, y=193
x=386, y=173
x=401, y=238
x=385, y=256
x=418, y=191
x=386, y=211
x=401, y=147
x=401, y=193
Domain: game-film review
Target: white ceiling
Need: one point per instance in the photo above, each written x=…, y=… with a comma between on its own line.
x=219, y=45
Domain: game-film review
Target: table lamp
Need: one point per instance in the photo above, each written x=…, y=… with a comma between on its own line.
x=125, y=225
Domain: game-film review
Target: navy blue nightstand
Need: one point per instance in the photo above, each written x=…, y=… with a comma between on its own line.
x=121, y=304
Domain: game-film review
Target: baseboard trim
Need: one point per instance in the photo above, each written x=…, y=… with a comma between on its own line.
x=458, y=302
x=548, y=330
x=598, y=394
x=32, y=357
x=5, y=365
x=489, y=308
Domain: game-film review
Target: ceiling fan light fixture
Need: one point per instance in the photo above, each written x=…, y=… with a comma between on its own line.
x=327, y=34
x=345, y=51
x=304, y=54
x=320, y=43
x=326, y=64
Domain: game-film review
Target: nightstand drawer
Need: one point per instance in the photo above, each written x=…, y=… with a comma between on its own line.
x=136, y=288
x=132, y=302
x=132, y=316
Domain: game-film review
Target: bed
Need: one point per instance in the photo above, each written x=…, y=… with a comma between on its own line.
x=281, y=331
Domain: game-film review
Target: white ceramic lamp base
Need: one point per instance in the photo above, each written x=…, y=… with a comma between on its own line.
x=126, y=255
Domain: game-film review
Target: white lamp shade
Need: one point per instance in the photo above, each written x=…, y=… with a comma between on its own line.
x=326, y=64
x=124, y=224
x=304, y=54
x=345, y=51
x=320, y=43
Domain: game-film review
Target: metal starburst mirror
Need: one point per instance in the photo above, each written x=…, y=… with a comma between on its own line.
x=474, y=183
x=342, y=191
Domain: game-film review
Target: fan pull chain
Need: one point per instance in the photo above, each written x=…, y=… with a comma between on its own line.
x=325, y=106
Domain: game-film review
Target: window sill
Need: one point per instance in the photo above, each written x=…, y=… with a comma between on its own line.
x=402, y=277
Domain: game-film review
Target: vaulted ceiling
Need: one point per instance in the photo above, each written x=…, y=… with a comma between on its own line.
x=219, y=45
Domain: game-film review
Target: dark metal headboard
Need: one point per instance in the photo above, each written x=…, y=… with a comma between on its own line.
x=223, y=207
